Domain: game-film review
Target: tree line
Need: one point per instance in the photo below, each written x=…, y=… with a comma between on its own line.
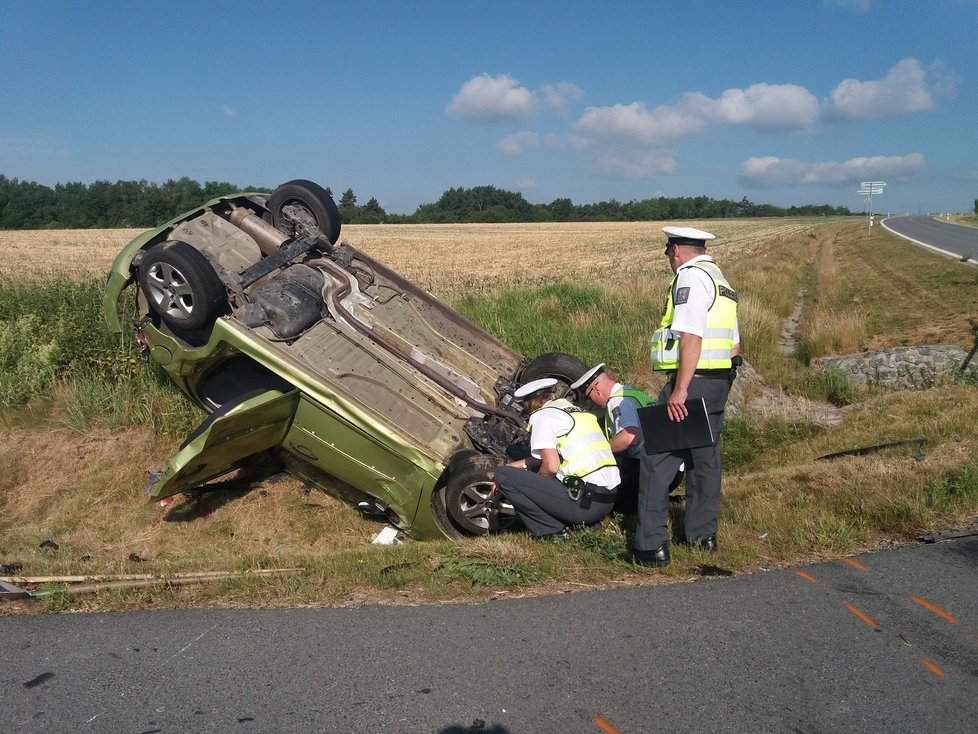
x=29, y=205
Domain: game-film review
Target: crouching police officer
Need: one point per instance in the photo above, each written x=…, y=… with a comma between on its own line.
x=621, y=427
x=570, y=477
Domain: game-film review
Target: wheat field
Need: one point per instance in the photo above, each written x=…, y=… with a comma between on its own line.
x=446, y=259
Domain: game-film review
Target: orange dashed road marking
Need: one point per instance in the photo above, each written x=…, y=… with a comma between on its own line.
x=935, y=609
x=932, y=668
x=805, y=576
x=862, y=616
x=854, y=563
x=608, y=727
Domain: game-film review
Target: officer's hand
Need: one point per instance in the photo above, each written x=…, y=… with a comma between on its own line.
x=676, y=404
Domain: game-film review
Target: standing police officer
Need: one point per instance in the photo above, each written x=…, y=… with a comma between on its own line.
x=570, y=477
x=694, y=346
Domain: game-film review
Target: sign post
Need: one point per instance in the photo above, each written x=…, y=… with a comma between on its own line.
x=870, y=189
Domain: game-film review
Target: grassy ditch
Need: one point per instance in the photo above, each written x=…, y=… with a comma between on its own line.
x=86, y=422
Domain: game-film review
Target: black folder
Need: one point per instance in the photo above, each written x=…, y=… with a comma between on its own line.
x=662, y=435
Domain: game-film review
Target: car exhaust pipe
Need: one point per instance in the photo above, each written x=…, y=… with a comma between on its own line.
x=268, y=238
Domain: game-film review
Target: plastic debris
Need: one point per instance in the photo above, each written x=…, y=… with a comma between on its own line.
x=387, y=536
x=152, y=477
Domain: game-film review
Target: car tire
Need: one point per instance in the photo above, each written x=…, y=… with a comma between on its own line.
x=180, y=285
x=470, y=505
x=565, y=368
x=307, y=203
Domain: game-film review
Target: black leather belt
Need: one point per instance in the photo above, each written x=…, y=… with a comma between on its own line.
x=723, y=374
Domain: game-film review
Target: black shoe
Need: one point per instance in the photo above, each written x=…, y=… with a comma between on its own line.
x=710, y=543
x=657, y=557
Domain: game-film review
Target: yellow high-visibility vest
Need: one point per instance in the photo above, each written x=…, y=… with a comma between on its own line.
x=583, y=449
x=721, y=323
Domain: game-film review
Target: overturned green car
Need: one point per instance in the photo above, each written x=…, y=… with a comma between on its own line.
x=311, y=355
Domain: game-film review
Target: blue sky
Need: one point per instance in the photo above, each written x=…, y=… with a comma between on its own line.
x=786, y=102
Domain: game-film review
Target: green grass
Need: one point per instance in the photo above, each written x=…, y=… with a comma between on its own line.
x=829, y=384
x=585, y=320
x=58, y=358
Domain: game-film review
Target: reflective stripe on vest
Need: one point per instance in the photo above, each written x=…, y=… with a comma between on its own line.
x=583, y=449
x=718, y=337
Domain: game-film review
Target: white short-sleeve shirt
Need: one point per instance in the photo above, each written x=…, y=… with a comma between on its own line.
x=697, y=292
x=546, y=425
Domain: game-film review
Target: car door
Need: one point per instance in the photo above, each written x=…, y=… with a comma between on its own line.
x=230, y=436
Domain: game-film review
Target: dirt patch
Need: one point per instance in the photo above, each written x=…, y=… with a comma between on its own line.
x=751, y=395
x=788, y=341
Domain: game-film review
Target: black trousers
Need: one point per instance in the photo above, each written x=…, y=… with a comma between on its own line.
x=542, y=502
x=702, y=476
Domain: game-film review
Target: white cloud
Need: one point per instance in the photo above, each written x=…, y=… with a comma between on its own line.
x=906, y=88
x=760, y=106
x=524, y=184
x=635, y=165
x=769, y=171
x=502, y=98
x=630, y=125
x=518, y=143
x=559, y=97
x=765, y=107
x=229, y=112
x=493, y=99
x=631, y=138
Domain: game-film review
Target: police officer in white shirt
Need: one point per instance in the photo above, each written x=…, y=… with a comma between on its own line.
x=570, y=477
x=696, y=347
x=622, y=428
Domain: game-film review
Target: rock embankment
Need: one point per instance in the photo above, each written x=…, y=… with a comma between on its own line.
x=898, y=368
x=902, y=368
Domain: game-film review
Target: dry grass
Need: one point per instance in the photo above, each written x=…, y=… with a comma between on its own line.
x=832, y=324
x=84, y=252
x=447, y=259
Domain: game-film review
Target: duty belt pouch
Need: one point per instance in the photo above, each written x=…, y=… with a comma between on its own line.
x=578, y=492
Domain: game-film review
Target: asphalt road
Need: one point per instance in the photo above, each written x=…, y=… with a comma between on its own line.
x=954, y=240
x=882, y=642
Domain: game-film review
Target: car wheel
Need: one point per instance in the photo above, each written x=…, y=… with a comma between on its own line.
x=565, y=368
x=470, y=503
x=180, y=285
x=305, y=203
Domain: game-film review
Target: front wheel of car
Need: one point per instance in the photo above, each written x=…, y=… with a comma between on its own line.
x=468, y=500
x=306, y=204
x=180, y=285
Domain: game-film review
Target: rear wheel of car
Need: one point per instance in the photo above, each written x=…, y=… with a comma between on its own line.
x=305, y=203
x=565, y=368
x=180, y=285
x=468, y=501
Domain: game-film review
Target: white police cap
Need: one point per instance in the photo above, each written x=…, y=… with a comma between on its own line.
x=688, y=236
x=535, y=386
x=585, y=379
